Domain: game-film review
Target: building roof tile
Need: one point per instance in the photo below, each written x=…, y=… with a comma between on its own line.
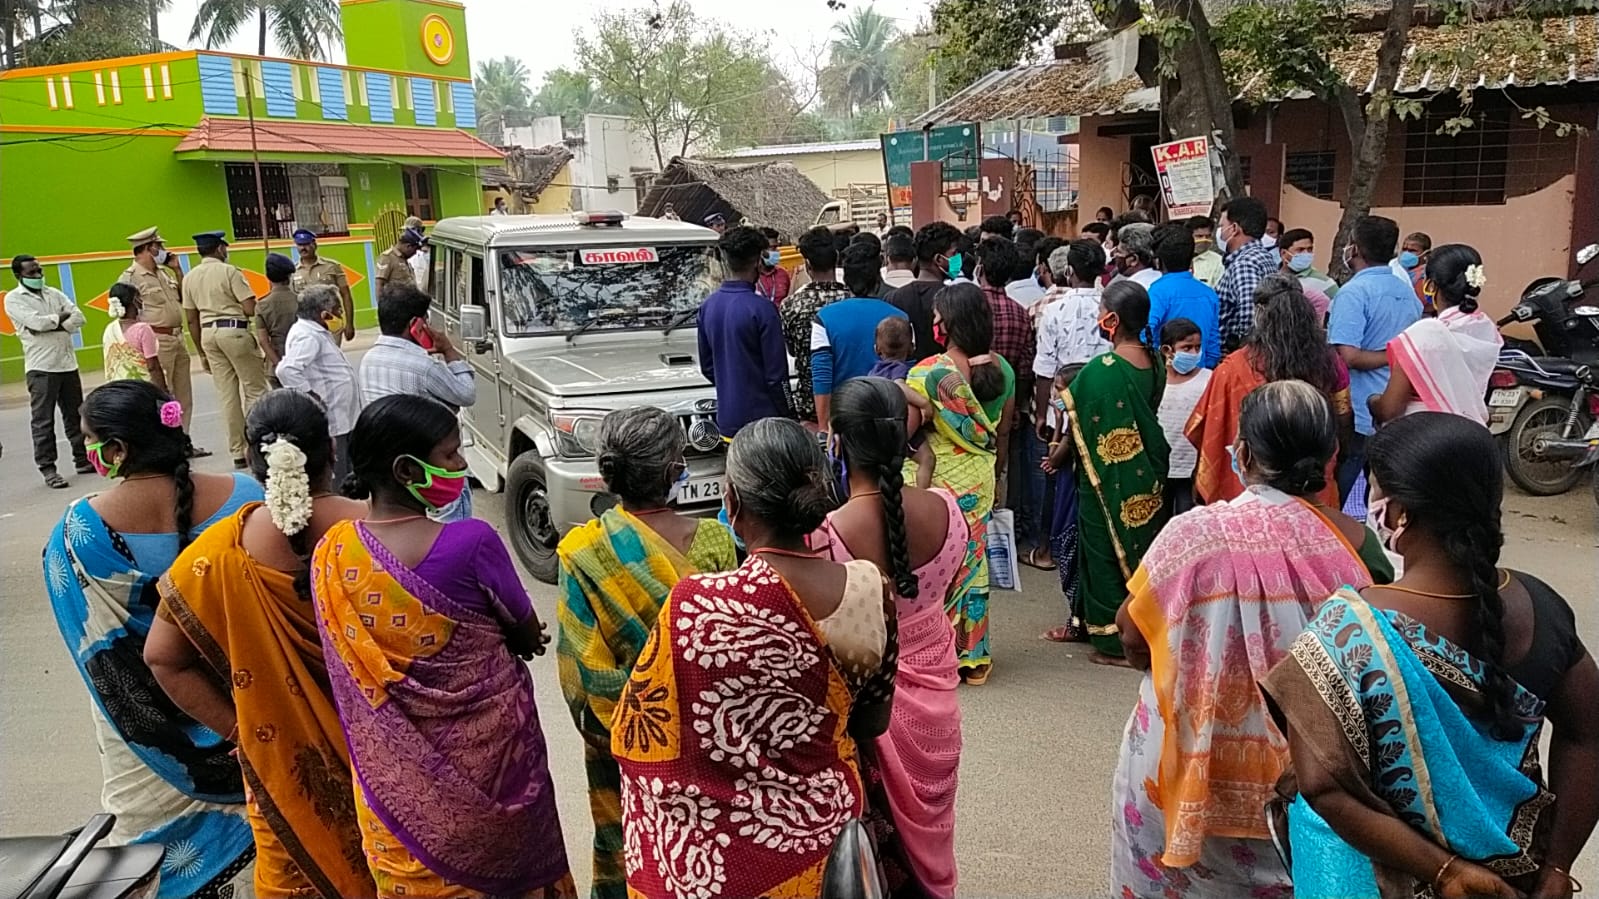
x=276, y=136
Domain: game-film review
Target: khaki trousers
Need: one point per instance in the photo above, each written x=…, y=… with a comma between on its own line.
x=174, y=356
x=239, y=371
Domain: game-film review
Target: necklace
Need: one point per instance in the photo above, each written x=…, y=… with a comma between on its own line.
x=790, y=553
x=144, y=477
x=861, y=494
x=371, y=521
x=641, y=513
x=1503, y=583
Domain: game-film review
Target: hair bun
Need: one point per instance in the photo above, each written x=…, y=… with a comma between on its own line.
x=811, y=501
x=1306, y=476
x=607, y=463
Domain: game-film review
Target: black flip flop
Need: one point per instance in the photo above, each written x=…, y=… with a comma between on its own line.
x=55, y=481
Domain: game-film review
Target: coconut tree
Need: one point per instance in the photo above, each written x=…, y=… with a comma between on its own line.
x=502, y=94
x=304, y=29
x=857, y=73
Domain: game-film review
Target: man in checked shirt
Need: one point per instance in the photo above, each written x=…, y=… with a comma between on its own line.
x=1242, y=225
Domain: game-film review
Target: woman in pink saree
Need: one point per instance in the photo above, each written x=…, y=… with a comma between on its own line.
x=919, y=539
x=1443, y=364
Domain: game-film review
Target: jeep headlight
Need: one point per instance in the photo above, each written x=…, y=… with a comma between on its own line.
x=577, y=433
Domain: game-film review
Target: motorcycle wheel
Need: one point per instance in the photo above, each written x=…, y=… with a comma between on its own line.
x=1534, y=475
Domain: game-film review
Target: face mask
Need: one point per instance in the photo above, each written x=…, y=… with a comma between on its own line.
x=161, y=256
x=335, y=323
x=1300, y=262
x=1349, y=256
x=98, y=461
x=1377, y=520
x=953, y=265
x=33, y=284
x=1058, y=404
x=940, y=336
x=1408, y=260
x=1203, y=246
x=1106, y=331
x=1268, y=241
x=674, y=493
x=441, y=488
x=1238, y=471
x=1185, y=361
x=772, y=258
x=1223, y=236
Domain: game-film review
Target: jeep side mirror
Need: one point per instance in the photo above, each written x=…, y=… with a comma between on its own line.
x=474, y=324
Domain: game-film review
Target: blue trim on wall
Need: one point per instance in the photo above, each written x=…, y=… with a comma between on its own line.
x=70, y=288
x=330, y=87
x=371, y=275
x=465, y=105
x=217, y=96
x=380, y=97
x=424, y=102
x=277, y=79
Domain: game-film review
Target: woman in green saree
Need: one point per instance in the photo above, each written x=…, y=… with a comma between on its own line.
x=1121, y=461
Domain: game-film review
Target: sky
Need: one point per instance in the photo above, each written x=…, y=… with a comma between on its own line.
x=539, y=31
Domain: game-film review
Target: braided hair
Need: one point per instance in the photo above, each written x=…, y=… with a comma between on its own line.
x=289, y=415
x=869, y=419
x=129, y=412
x=1445, y=472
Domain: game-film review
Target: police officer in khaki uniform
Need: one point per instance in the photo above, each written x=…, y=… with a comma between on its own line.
x=313, y=269
x=394, y=266
x=158, y=279
x=219, y=305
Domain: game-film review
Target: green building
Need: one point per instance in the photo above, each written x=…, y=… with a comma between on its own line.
x=92, y=152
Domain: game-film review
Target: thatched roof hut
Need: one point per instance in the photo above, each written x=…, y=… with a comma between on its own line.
x=771, y=194
x=528, y=170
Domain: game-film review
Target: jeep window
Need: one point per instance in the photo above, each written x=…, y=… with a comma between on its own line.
x=442, y=258
x=554, y=291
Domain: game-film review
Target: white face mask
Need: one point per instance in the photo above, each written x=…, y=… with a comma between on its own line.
x=1377, y=520
x=161, y=256
x=675, y=492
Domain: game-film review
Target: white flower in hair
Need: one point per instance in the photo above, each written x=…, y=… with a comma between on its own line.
x=288, y=487
x=115, y=307
x=1476, y=277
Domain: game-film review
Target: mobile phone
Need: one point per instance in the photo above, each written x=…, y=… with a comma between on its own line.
x=419, y=333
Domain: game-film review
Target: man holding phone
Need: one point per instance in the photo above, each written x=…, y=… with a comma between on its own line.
x=401, y=361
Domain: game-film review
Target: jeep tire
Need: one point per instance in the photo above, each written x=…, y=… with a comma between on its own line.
x=527, y=517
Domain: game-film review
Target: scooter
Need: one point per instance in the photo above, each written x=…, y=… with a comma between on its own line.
x=1543, y=397
x=71, y=866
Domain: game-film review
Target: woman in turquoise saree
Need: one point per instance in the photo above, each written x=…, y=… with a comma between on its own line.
x=1414, y=710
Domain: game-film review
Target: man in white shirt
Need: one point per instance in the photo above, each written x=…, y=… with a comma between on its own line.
x=900, y=252
x=1135, y=254
x=313, y=363
x=45, y=320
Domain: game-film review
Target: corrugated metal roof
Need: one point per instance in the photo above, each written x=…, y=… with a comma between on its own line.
x=838, y=146
x=1075, y=87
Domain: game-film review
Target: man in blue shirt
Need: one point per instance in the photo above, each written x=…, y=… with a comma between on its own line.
x=1178, y=294
x=1371, y=309
x=741, y=339
x=844, y=334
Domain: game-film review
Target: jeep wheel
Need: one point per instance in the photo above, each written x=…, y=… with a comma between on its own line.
x=527, y=516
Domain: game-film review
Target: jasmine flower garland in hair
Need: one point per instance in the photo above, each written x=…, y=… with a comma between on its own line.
x=115, y=307
x=288, y=487
x=1476, y=277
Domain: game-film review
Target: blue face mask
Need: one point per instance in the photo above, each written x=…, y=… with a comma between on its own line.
x=953, y=266
x=1301, y=262
x=1408, y=260
x=1185, y=361
x=772, y=258
x=1232, y=453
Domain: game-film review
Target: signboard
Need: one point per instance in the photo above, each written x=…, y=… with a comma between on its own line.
x=1186, y=183
x=618, y=256
x=957, y=146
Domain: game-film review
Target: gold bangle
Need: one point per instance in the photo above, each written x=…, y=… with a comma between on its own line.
x=1576, y=885
x=1442, y=870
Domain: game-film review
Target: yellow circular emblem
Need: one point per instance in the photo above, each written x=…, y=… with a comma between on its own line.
x=438, y=40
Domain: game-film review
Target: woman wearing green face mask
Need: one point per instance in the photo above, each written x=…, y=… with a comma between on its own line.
x=421, y=624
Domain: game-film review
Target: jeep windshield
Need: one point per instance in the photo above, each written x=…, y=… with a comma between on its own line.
x=550, y=291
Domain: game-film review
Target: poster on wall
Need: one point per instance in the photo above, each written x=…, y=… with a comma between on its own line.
x=957, y=146
x=1186, y=184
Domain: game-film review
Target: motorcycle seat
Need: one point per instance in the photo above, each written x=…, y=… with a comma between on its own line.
x=1560, y=365
x=23, y=860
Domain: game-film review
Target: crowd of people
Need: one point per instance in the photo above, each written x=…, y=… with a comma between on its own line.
x=308, y=679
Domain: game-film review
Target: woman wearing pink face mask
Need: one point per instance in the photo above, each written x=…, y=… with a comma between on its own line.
x=421, y=624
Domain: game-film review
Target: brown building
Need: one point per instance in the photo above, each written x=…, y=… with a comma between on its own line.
x=1523, y=196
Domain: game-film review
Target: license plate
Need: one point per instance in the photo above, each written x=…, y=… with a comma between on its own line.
x=1505, y=396
x=701, y=490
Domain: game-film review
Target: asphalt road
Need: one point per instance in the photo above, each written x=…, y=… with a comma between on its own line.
x=1041, y=737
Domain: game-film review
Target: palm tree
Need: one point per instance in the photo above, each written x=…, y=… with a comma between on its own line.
x=567, y=94
x=856, y=77
x=502, y=94
x=303, y=29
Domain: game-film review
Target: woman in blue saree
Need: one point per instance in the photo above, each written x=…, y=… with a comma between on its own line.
x=168, y=779
x=1414, y=710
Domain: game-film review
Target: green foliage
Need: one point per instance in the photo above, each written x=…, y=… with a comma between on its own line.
x=39, y=33
x=1286, y=45
x=567, y=94
x=857, y=74
x=980, y=36
x=303, y=29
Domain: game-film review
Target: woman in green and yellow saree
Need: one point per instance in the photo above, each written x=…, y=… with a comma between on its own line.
x=1121, y=461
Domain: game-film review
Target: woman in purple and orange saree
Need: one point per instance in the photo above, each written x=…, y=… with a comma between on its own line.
x=422, y=624
x=736, y=734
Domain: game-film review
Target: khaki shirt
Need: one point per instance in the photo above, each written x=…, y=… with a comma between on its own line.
x=158, y=291
x=218, y=290
x=325, y=271
x=275, y=314
x=395, y=269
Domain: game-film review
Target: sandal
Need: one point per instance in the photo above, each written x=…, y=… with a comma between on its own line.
x=976, y=676
x=1031, y=559
x=55, y=481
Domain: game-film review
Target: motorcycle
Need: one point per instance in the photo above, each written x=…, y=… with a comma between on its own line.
x=1543, y=397
x=71, y=866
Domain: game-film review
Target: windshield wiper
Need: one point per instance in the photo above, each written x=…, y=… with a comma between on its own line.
x=680, y=320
